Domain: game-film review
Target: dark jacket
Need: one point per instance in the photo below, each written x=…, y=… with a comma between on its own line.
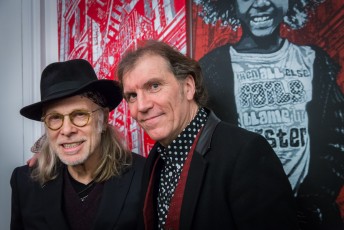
x=235, y=181
x=317, y=195
x=36, y=207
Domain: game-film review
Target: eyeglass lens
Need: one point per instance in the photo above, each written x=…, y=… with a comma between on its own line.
x=78, y=118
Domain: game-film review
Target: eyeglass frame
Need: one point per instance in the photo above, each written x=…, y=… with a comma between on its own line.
x=89, y=113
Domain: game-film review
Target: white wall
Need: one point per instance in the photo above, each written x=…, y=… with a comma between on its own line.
x=28, y=42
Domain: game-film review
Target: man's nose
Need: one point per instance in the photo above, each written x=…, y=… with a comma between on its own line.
x=144, y=102
x=67, y=127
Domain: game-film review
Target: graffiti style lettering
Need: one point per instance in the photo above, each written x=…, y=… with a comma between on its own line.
x=293, y=138
x=270, y=73
x=261, y=73
x=254, y=118
x=297, y=73
x=298, y=115
x=271, y=93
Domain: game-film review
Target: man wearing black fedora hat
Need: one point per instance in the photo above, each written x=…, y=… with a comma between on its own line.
x=84, y=178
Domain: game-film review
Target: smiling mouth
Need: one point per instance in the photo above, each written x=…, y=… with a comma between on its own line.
x=150, y=120
x=261, y=21
x=71, y=145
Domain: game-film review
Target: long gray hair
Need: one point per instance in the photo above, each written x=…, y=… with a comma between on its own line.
x=115, y=158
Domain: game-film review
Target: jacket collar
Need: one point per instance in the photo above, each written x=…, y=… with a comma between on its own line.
x=204, y=141
x=113, y=198
x=52, y=203
x=196, y=172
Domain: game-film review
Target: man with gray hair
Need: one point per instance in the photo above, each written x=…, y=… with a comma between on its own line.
x=84, y=178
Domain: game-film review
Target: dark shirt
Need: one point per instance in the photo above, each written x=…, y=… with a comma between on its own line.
x=80, y=207
x=174, y=156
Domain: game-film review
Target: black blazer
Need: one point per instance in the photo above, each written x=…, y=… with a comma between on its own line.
x=235, y=181
x=36, y=207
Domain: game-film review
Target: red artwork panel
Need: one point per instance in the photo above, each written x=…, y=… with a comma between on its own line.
x=101, y=31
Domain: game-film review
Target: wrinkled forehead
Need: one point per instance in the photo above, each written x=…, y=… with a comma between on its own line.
x=148, y=63
x=149, y=71
x=158, y=60
x=75, y=102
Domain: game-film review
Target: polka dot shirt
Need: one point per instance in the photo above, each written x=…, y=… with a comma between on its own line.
x=174, y=157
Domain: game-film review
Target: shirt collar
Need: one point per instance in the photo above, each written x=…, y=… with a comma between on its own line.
x=180, y=147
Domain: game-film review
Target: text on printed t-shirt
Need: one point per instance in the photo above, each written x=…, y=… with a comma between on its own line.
x=271, y=93
x=291, y=138
x=270, y=73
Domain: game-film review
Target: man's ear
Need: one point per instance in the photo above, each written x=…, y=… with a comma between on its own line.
x=189, y=87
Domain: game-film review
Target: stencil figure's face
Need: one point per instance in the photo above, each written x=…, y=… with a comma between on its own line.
x=261, y=17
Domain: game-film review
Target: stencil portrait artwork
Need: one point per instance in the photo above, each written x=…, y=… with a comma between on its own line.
x=266, y=75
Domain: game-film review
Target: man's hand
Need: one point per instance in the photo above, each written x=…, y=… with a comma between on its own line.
x=36, y=148
x=33, y=160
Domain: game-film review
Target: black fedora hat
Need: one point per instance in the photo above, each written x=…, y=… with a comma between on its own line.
x=69, y=78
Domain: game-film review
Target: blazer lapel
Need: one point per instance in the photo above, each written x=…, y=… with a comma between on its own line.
x=153, y=155
x=197, y=172
x=113, y=198
x=52, y=203
x=192, y=190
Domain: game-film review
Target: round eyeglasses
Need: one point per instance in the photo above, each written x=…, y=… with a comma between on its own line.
x=79, y=118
